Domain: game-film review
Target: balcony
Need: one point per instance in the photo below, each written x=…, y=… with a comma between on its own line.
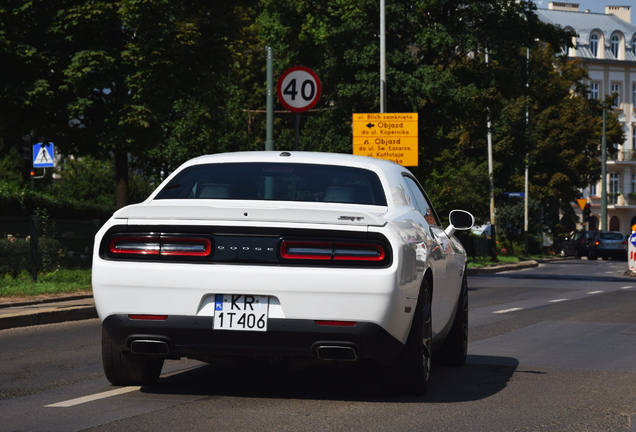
x=623, y=156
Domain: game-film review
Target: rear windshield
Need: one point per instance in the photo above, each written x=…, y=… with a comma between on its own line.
x=611, y=236
x=280, y=182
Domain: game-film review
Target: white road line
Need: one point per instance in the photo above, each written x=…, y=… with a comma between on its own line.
x=97, y=396
x=627, y=287
x=596, y=292
x=507, y=310
x=557, y=300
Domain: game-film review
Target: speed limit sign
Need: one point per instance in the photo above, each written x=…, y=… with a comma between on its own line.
x=298, y=89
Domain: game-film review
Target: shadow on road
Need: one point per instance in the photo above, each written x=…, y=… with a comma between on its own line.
x=481, y=377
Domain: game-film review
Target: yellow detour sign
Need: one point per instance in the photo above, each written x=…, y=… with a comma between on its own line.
x=582, y=203
x=387, y=136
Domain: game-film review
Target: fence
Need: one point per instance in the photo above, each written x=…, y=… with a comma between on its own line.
x=476, y=246
x=44, y=244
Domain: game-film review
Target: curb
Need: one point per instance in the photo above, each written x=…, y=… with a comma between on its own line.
x=503, y=267
x=47, y=311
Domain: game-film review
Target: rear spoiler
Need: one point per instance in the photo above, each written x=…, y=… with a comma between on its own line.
x=334, y=214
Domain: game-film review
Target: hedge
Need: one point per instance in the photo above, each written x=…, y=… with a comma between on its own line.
x=14, y=203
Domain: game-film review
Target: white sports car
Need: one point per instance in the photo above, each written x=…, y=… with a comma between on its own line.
x=286, y=255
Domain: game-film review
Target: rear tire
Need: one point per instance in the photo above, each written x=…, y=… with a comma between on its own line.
x=123, y=368
x=412, y=369
x=454, y=349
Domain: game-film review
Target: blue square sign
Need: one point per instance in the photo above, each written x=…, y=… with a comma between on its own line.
x=43, y=155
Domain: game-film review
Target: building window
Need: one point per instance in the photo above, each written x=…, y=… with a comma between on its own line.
x=593, y=189
x=634, y=95
x=615, y=43
x=614, y=189
x=633, y=183
x=634, y=45
x=634, y=138
x=616, y=88
x=594, y=44
x=595, y=93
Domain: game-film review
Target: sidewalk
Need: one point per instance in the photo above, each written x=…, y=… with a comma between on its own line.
x=47, y=311
x=81, y=307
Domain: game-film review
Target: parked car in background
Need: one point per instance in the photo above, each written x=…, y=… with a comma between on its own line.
x=608, y=244
x=577, y=245
x=283, y=255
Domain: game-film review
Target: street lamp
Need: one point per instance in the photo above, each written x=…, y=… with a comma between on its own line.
x=604, y=172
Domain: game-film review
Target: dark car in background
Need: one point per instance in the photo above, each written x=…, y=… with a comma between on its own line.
x=578, y=244
x=608, y=244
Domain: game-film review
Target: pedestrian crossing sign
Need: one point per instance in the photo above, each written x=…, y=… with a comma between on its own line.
x=43, y=155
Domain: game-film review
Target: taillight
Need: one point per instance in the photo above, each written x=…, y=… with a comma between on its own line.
x=358, y=252
x=331, y=250
x=145, y=317
x=142, y=245
x=336, y=323
x=185, y=246
x=306, y=250
x=160, y=245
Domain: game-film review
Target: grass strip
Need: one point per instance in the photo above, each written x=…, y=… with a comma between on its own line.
x=57, y=282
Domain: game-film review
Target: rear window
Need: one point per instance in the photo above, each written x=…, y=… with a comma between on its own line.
x=611, y=236
x=279, y=182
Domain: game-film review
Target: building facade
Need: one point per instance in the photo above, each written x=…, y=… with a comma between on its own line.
x=606, y=44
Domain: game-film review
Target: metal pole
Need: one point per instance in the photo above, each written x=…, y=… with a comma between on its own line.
x=604, y=174
x=382, y=58
x=269, y=141
x=492, y=181
x=525, y=217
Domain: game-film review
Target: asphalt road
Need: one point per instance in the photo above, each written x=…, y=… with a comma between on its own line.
x=551, y=349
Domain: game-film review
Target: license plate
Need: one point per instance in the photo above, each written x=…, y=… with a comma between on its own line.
x=240, y=312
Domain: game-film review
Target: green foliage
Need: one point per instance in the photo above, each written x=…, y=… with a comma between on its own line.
x=157, y=82
x=55, y=282
x=23, y=202
x=15, y=255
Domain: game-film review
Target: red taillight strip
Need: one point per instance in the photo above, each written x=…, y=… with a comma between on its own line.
x=358, y=252
x=161, y=245
x=307, y=250
x=336, y=323
x=148, y=317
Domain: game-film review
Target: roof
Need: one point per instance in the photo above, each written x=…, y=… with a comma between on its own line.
x=584, y=23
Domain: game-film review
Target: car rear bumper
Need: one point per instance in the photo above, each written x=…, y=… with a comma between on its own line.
x=194, y=337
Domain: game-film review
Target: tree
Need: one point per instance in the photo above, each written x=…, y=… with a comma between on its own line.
x=120, y=77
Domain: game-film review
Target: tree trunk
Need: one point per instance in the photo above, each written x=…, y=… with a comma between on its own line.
x=121, y=179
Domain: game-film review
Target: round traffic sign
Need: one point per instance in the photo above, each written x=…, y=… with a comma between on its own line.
x=299, y=89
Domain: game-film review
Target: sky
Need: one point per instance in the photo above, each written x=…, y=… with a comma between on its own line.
x=593, y=5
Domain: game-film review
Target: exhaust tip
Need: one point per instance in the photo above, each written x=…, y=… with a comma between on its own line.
x=336, y=353
x=152, y=347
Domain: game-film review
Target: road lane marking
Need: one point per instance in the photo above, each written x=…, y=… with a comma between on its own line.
x=557, y=300
x=596, y=292
x=91, y=398
x=507, y=310
x=627, y=287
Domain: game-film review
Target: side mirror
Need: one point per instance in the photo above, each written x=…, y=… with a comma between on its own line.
x=460, y=220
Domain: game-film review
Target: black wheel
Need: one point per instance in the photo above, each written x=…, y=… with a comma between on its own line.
x=412, y=369
x=454, y=349
x=124, y=368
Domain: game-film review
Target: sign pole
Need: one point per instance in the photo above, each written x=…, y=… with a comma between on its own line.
x=297, y=131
